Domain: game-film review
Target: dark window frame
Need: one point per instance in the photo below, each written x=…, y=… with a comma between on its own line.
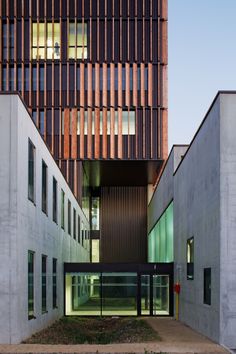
x=207, y=286
x=31, y=195
x=54, y=200
x=62, y=209
x=69, y=217
x=190, y=258
x=44, y=284
x=54, y=283
x=31, y=285
x=44, y=186
x=74, y=223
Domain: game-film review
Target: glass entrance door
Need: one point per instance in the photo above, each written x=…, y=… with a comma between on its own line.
x=161, y=295
x=145, y=294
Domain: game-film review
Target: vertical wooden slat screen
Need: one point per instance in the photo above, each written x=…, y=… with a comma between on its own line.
x=112, y=133
x=120, y=143
x=135, y=84
x=89, y=133
x=127, y=84
x=124, y=70
x=104, y=133
x=97, y=134
x=142, y=70
x=82, y=133
x=66, y=133
x=74, y=134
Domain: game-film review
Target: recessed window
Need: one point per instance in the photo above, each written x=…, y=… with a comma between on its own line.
x=77, y=44
x=78, y=229
x=30, y=285
x=190, y=258
x=46, y=41
x=54, y=199
x=54, y=283
x=31, y=171
x=44, y=187
x=62, y=209
x=74, y=223
x=207, y=286
x=44, y=284
x=69, y=217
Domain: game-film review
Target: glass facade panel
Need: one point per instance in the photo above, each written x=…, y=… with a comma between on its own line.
x=161, y=238
x=95, y=251
x=83, y=294
x=145, y=294
x=160, y=295
x=119, y=294
x=95, y=213
x=77, y=44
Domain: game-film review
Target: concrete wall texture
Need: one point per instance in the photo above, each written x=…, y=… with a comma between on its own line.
x=204, y=193
x=23, y=226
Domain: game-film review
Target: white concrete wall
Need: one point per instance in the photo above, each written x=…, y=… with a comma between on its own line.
x=23, y=226
x=197, y=214
x=228, y=220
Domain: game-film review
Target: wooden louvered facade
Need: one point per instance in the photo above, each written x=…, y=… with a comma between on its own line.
x=125, y=70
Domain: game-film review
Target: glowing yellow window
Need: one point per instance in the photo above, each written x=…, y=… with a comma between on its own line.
x=46, y=41
x=77, y=44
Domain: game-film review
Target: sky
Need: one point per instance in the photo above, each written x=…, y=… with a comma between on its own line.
x=202, y=61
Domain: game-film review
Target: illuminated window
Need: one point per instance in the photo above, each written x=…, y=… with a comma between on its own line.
x=95, y=214
x=77, y=45
x=161, y=238
x=95, y=251
x=190, y=258
x=46, y=41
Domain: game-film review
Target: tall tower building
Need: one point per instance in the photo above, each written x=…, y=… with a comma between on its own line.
x=93, y=73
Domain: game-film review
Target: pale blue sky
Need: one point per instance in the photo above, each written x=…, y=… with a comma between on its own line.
x=202, y=60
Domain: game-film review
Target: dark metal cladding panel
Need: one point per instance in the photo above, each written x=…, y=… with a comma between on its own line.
x=124, y=224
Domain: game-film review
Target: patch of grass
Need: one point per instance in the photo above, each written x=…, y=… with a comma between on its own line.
x=103, y=330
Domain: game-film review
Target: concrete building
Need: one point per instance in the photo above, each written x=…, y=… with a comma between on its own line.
x=41, y=227
x=200, y=182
